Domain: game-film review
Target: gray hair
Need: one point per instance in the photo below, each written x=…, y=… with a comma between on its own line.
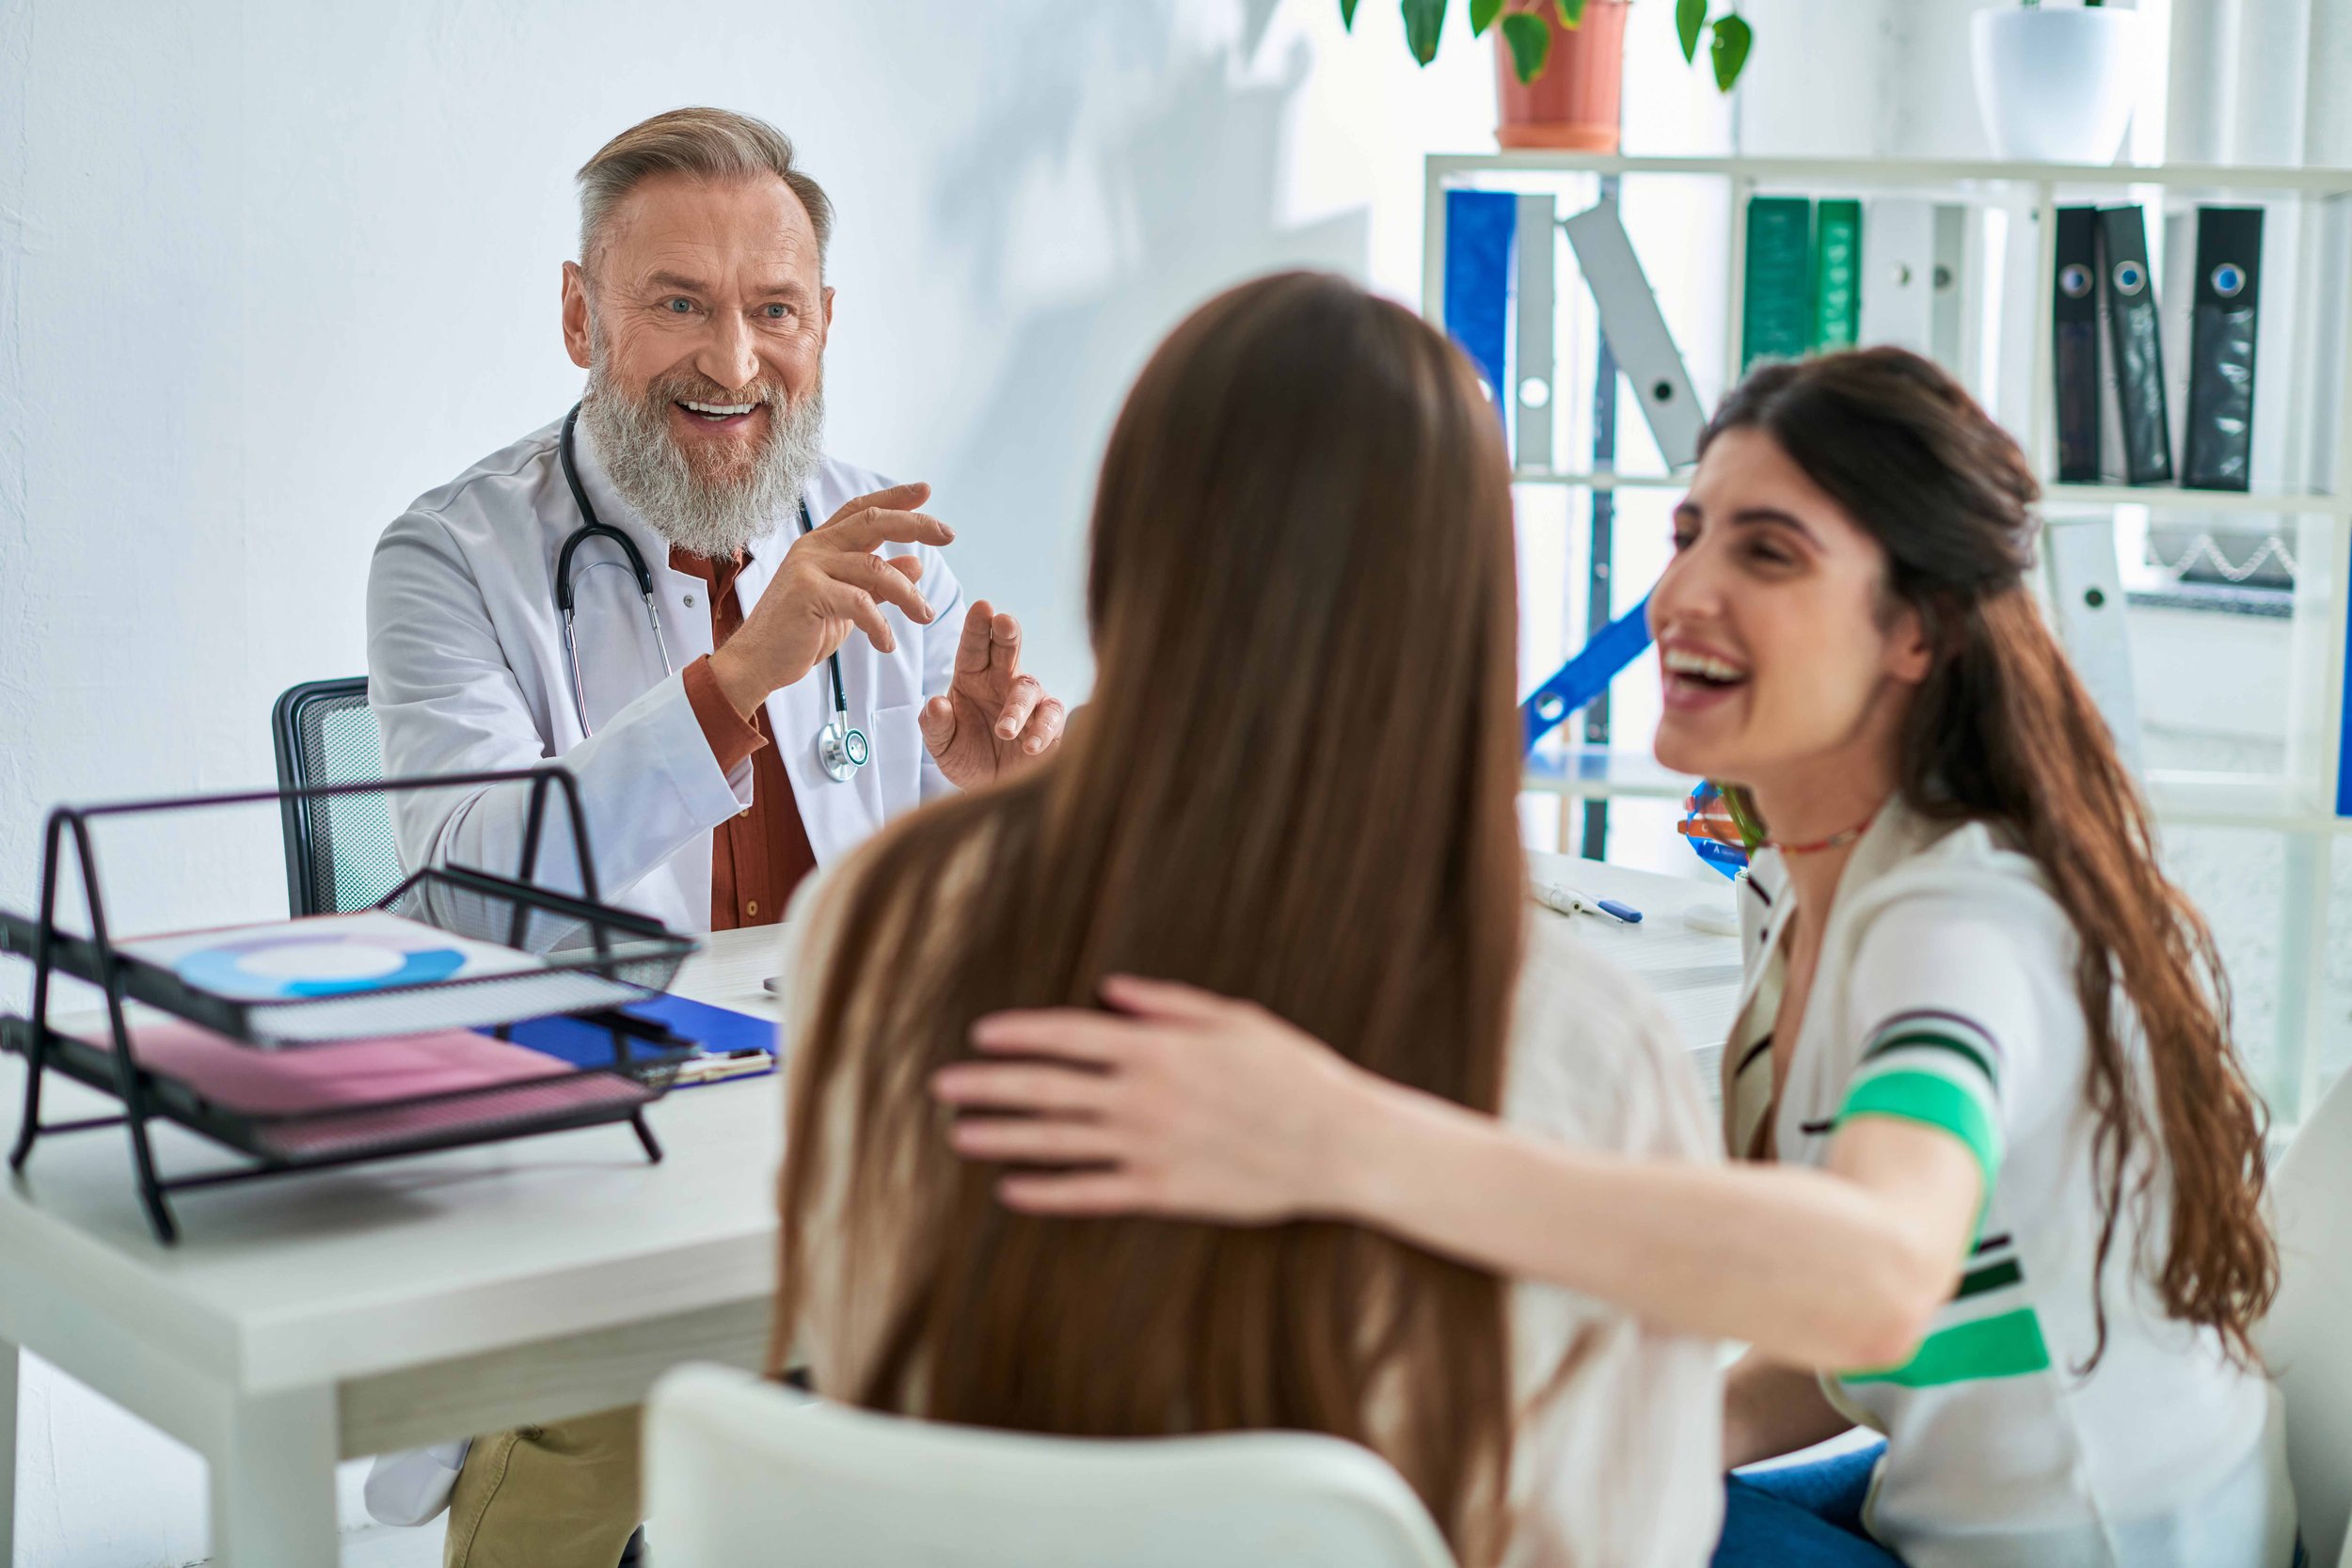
x=709, y=144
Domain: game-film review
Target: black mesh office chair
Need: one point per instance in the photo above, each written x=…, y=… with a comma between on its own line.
x=340, y=854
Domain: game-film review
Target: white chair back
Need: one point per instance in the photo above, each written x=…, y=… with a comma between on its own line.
x=2307, y=1339
x=740, y=1473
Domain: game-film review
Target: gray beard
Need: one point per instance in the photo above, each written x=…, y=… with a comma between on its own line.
x=713, y=516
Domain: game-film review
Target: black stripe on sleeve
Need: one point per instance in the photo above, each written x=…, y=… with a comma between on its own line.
x=1912, y=1037
x=1993, y=1276
x=1938, y=1015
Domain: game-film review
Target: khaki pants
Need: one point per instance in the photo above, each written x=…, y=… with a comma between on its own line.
x=565, y=1495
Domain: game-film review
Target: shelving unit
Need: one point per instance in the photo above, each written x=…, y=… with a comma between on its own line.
x=2304, y=431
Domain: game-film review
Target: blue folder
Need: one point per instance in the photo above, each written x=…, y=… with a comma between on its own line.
x=716, y=1031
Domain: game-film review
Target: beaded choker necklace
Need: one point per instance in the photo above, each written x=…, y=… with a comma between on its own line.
x=1836, y=841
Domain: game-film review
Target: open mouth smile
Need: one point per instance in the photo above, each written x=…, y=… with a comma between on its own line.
x=1695, y=678
x=718, y=416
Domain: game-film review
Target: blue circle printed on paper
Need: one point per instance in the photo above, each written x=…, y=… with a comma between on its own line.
x=223, y=971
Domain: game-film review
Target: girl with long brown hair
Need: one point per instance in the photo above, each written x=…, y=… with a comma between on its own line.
x=1294, y=784
x=2010, y=1209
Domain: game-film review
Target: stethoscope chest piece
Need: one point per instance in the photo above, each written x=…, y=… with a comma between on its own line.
x=841, y=749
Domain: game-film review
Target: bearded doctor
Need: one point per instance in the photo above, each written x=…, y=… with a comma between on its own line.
x=696, y=723
x=766, y=659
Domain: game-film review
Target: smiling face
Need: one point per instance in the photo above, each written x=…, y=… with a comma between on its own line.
x=1787, y=666
x=713, y=288
x=701, y=317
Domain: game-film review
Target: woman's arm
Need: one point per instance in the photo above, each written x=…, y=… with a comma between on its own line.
x=1197, y=1105
x=1771, y=1409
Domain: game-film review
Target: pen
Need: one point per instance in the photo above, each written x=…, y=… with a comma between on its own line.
x=1566, y=901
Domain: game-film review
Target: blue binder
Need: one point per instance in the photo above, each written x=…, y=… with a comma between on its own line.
x=1481, y=232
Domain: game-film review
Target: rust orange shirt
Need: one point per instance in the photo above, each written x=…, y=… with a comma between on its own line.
x=759, y=855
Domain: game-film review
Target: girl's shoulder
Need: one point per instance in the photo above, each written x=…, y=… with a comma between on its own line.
x=1594, y=1059
x=1967, y=873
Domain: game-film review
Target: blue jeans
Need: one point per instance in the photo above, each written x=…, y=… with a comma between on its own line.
x=1802, y=1516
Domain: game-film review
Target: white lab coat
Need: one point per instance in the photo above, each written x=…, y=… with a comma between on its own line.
x=466, y=673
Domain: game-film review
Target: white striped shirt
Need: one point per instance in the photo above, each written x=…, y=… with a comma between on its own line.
x=1944, y=995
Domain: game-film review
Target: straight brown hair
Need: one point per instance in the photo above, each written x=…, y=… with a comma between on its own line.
x=2002, y=732
x=1294, y=785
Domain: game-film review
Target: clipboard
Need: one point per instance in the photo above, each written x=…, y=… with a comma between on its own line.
x=730, y=1044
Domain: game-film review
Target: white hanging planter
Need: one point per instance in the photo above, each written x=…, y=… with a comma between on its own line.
x=2056, y=84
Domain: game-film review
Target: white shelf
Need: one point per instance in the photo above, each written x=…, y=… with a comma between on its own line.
x=2313, y=382
x=1596, y=772
x=1600, y=479
x=2174, y=497
x=1897, y=172
x=2159, y=498
x=2240, y=800
x=2176, y=796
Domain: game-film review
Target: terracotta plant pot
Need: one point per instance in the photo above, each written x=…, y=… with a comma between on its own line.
x=1574, y=104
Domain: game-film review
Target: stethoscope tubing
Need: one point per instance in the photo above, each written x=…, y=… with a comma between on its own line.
x=842, y=749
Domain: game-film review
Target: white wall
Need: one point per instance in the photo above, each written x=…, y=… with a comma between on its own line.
x=268, y=269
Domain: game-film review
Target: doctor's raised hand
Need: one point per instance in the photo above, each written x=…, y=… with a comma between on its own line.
x=993, y=717
x=832, y=583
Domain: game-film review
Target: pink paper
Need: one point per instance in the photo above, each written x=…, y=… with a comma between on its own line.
x=332, y=1077
x=332, y=1087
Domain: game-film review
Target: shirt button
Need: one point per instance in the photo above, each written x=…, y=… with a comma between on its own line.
x=689, y=601
x=751, y=907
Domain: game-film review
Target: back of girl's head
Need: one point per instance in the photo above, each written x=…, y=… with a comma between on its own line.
x=1293, y=784
x=2002, y=731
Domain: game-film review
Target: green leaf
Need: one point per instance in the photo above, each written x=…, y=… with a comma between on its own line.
x=1733, y=40
x=1347, y=14
x=1689, y=16
x=1530, y=37
x=1483, y=14
x=1424, y=21
x=1571, y=13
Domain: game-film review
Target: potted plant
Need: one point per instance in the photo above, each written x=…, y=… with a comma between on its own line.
x=2055, y=83
x=1560, y=64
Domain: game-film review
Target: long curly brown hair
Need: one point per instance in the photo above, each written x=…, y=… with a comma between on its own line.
x=2002, y=732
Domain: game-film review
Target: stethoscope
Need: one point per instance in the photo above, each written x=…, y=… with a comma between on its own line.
x=841, y=747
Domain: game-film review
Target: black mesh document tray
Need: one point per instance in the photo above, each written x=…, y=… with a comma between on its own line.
x=171, y=1047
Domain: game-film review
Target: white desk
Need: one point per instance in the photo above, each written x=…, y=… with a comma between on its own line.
x=1694, y=973
x=311, y=1317
x=381, y=1306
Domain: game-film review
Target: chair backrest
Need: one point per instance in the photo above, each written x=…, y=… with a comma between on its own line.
x=739, y=1471
x=340, y=853
x=2307, y=1339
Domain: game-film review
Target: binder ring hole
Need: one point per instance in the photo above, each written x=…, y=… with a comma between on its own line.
x=2130, y=276
x=2228, y=279
x=1663, y=392
x=2094, y=597
x=2074, y=281
x=1535, y=392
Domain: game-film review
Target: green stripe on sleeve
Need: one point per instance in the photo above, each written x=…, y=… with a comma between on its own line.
x=1938, y=1041
x=1933, y=1101
x=2008, y=1345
